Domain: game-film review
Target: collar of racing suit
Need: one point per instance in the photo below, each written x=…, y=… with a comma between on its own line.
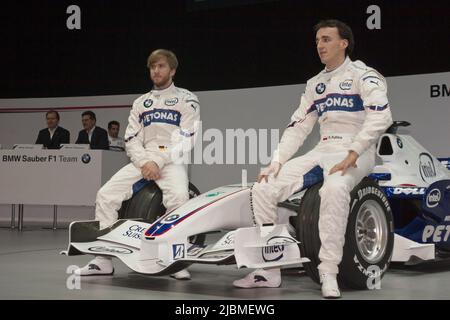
x=338, y=69
x=163, y=91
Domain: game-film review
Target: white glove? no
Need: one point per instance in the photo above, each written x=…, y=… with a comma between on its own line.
x=274, y=168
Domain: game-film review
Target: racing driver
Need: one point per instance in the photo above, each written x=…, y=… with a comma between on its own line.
x=349, y=101
x=161, y=128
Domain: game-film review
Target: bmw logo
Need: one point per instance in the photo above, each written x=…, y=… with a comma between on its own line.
x=148, y=103
x=85, y=158
x=320, y=88
x=399, y=143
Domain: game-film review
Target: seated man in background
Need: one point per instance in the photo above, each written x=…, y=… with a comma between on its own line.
x=115, y=142
x=95, y=136
x=53, y=136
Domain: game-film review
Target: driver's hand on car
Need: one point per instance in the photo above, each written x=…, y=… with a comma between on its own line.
x=274, y=168
x=150, y=171
x=348, y=162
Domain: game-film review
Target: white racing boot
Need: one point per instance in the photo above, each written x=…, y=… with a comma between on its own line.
x=96, y=267
x=260, y=278
x=330, y=288
x=181, y=275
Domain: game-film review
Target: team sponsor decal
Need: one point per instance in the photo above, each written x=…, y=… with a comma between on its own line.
x=168, y=116
x=436, y=233
x=86, y=158
x=171, y=102
x=375, y=191
x=134, y=231
x=110, y=249
x=148, y=103
x=405, y=192
x=366, y=271
x=51, y=158
x=276, y=251
x=372, y=79
x=216, y=255
x=229, y=240
x=171, y=218
x=192, y=104
x=426, y=167
x=346, y=84
x=214, y=194
x=339, y=102
x=409, y=191
x=399, y=143
x=195, y=250
x=320, y=88
x=433, y=198
x=178, y=251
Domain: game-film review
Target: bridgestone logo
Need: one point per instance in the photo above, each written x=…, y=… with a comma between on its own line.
x=375, y=191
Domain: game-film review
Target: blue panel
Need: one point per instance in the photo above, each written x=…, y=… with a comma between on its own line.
x=436, y=202
x=137, y=186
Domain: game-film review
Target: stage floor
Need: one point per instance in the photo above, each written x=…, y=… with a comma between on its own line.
x=32, y=268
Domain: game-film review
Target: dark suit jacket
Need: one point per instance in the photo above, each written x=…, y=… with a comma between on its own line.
x=99, y=139
x=60, y=135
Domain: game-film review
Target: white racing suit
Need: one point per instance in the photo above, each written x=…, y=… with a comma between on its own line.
x=161, y=128
x=352, y=108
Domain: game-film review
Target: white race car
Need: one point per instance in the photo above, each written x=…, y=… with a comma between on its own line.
x=408, y=192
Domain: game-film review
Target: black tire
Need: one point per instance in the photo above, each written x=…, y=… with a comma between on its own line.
x=355, y=271
x=147, y=203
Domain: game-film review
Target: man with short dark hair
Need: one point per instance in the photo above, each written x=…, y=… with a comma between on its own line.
x=349, y=101
x=95, y=136
x=116, y=143
x=53, y=136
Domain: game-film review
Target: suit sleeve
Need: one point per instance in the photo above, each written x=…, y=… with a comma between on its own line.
x=103, y=142
x=302, y=122
x=134, y=138
x=65, y=137
x=39, y=138
x=79, y=138
x=378, y=112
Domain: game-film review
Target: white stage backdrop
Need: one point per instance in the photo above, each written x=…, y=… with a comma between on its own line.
x=415, y=98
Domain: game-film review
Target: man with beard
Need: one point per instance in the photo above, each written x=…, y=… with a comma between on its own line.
x=161, y=127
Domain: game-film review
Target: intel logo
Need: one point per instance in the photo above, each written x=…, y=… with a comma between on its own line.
x=276, y=251
x=433, y=198
x=426, y=167
x=346, y=85
x=171, y=102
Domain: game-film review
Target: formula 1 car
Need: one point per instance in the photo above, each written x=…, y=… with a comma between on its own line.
x=399, y=213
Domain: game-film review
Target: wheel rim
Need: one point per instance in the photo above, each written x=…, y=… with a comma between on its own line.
x=371, y=231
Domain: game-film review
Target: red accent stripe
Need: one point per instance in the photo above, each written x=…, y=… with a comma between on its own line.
x=30, y=110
